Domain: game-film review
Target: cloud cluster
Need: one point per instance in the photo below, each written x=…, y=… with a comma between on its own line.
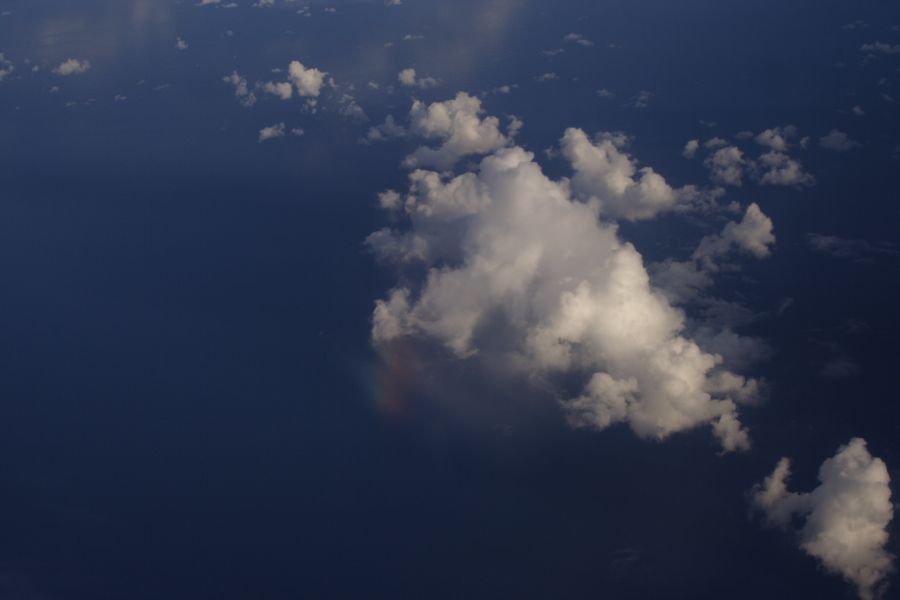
x=846, y=516
x=72, y=66
x=308, y=81
x=459, y=126
x=241, y=89
x=6, y=67
x=408, y=78
x=518, y=267
x=684, y=281
x=728, y=164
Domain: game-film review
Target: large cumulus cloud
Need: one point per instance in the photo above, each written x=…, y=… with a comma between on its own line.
x=526, y=267
x=846, y=516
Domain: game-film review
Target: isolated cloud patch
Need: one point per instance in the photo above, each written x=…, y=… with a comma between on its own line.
x=518, y=267
x=308, y=81
x=72, y=66
x=846, y=516
x=6, y=67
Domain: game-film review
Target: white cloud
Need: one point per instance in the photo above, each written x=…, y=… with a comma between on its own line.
x=518, y=267
x=408, y=78
x=777, y=138
x=752, y=235
x=690, y=148
x=241, y=89
x=846, y=516
x=282, y=89
x=838, y=141
x=6, y=67
x=72, y=66
x=308, y=81
x=180, y=44
x=458, y=125
x=683, y=281
x=272, y=132
x=777, y=168
x=726, y=166
x=605, y=173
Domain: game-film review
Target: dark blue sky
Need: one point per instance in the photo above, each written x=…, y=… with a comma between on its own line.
x=191, y=405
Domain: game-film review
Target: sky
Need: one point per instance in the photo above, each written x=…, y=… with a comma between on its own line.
x=449, y=300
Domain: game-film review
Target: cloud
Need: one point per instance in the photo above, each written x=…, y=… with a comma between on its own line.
x=407, y=78
x=272, y=132
x=577, y=38
x=726, y=166
x=838, y=141
x=388, y=130
x=518, y=268
x=605, y=173
x=690, y=148
x=777, y=168
x=6, y=67
x=72, y=66
x=881, y=47
x=180, y=44
x=282, y=89
x=241, y=89
x=684, y=281
x=459, y=127
x=642, y=99
x=776, y=138
x=308, y=81
x=850, y=249
x=753, y=235
x=846, y=516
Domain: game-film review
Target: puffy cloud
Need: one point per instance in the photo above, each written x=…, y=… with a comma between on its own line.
x=726, y=166
x=776, y=138
x=6, y=67
x=407, y=77
x=180, y=44
x=846, y=516
x=519, y=268
x=838, y=141
x=241, y=89
x=72, y=66
x=683, y=281
x=308, y=81
x=272, y=132
x=605, y=173
x=690, y=148
x=282, y=89
x=460, y=128
x=752, y=235
x=777, y=168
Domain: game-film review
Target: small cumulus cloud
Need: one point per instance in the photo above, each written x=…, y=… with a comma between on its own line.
x=72, y=66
